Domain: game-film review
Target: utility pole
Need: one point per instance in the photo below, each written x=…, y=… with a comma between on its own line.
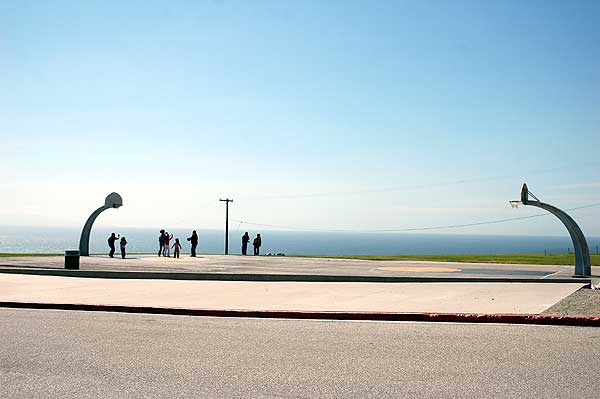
x=226, y=201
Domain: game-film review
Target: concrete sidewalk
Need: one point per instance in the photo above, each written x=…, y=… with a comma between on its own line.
x=297, y=296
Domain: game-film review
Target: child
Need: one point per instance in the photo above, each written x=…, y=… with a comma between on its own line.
x=176, y=247
x=123, y=243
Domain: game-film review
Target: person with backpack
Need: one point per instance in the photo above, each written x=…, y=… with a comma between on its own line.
x=257, y=243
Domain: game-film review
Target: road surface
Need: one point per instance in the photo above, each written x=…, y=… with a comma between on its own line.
x=107, y=355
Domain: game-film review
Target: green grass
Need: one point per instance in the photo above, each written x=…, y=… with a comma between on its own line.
x=2, y=255
x=531, y=259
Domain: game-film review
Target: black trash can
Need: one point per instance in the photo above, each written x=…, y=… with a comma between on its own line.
x=72, y=259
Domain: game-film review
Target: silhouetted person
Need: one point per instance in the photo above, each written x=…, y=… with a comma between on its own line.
x=194, y=241
x=122, y=244
x=111, y=244
x=245, y=240
x=176, y=247
x=168, y=238
x=161, y=243
x=256, y=243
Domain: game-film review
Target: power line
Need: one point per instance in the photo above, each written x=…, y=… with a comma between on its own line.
x=410, y=187
x=400, y=230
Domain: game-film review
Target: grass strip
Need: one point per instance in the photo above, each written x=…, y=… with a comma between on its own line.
x=529, y=259
x=7, y=255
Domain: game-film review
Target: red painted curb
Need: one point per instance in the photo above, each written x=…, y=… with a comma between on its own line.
x=507, y=318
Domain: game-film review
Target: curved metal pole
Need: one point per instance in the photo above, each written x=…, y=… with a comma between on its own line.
x=84, y=241
x=113, y=200
x=582, y=253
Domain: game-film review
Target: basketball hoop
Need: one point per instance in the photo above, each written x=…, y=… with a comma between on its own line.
x=515, y=203
x=583, y=265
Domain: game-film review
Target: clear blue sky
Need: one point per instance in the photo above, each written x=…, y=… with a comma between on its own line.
x=402, y=114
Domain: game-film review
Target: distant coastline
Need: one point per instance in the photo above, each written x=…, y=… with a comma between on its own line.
x=56, y=240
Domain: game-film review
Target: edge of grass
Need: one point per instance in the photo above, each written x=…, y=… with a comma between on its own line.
x=530, y=259
x=9, y=255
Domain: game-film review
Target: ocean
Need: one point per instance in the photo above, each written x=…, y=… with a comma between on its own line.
x=57, y=240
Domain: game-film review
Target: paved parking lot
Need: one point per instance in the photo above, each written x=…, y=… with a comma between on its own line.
x=292, y=265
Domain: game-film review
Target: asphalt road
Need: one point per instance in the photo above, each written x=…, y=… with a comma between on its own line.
x=106, y=355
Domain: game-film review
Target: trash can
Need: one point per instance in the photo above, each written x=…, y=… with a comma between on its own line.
x=72, y=259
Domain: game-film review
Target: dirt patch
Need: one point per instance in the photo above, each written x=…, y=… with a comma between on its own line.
x=584, y=302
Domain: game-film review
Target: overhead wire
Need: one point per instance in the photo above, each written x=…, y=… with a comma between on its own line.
x=400, y=230
x=390, y=189
x=408, y=187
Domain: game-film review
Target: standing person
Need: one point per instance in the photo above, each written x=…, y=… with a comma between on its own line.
x=168, y=238
x=245, y=239
x=194, y=241
x=176, y=247
x=257, y=242
x=122, y=244
x=111, y=244
x=161, y=243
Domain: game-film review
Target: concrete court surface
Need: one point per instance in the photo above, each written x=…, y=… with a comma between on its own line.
x=301, y=296
x=292, y=265
x=81, y=355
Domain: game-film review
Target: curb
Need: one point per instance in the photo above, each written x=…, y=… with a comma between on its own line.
x=280, y=277
x=579, y=321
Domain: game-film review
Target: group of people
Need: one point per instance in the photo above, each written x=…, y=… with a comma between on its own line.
x=111, y=245
x=256, y=243
x=164, y=244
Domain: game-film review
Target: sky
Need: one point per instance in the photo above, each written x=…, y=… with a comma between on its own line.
x=353, y=115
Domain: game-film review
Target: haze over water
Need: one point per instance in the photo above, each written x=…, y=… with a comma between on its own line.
x=57, y=240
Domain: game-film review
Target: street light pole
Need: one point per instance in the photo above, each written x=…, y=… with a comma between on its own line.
x=226, y=201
